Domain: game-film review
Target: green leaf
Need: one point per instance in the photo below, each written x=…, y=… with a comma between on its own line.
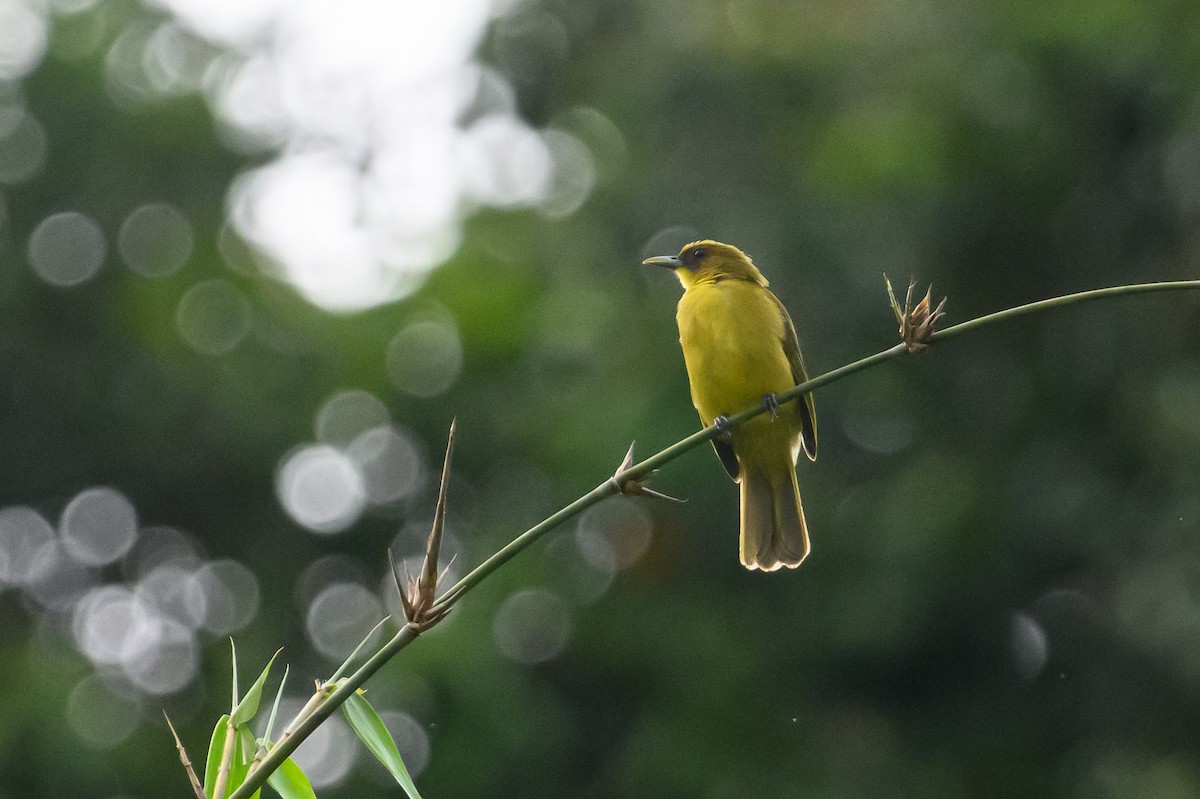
x=233, y=655
x=346, y=663
x=290, y=782
x=892, y=299
x=246, y=709
x=371, y=730
x=243, y=756
x=216, y=748
x=275, y=706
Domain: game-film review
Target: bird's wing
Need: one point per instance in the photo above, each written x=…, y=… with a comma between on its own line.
x=729, y=460
x=804, y=406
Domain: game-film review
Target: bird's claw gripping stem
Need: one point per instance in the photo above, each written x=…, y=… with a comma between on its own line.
x=771, y=403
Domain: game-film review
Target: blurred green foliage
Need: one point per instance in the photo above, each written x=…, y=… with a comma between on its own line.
x=1004, y=593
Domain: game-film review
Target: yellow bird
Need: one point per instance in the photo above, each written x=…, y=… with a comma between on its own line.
x=740, y=348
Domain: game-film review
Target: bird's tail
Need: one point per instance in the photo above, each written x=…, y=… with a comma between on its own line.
x=773, y=530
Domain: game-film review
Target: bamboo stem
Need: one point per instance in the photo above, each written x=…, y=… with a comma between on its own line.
x=638, y=472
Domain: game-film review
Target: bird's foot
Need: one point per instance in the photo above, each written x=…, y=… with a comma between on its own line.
x=724, y=428
x=771, y=403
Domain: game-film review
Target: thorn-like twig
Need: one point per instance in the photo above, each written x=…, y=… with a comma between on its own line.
x=446, y=569
x=185, y=760
x=917, y=323
x=401, y=586
x=630, y=486
x=419, y=595
x=627, y=461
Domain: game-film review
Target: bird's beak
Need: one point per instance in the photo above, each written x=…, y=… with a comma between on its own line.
x=669, y=261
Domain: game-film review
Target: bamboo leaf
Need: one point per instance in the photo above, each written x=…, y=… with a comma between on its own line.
x=246, y=709
x=372, y=731
x=243, y=756
x=233, y=656
x=290, y=782
x=337, y=675
x=275, y=706
x=216, y=747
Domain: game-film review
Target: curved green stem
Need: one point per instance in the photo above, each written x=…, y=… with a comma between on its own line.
x=521, y=542
x=643, y=469
x=1060, y=302
x=283, y=750
x=634, y=474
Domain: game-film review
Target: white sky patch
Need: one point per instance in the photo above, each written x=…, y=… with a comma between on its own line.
x=362, y=102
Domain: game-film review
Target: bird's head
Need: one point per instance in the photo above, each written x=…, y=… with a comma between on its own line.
x=708, y=262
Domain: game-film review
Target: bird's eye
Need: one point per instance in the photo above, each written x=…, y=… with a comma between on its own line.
x=697, y=253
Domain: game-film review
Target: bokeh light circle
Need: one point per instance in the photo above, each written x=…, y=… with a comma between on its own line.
x=213, y=316
x=22, y=145
x=579, y=579
x=340, y=617
x=70, y=7
x=155, y=240
x=98, y=526
x=161, y=545
x=224, y=596
x=531, y=626
x=337, y=567
x=347, y=414
x=67, y=249
x=244, y=93
x=111, y=626
x=508, y=164
x=321, y=488
x=613, y=535
x=574, y=175
x=327, y=755
x=425, y=357
x=27, y=545
x=411, y=739
x=61, y=580
x=390, y=464
x=101, y=718
x=1030, y=648
x=23, y=37
x=169, y=661
x=168, y=589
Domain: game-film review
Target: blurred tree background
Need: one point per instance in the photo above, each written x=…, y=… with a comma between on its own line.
x=255, y=256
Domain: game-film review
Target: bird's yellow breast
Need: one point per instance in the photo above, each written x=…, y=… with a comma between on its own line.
x=732, y=335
